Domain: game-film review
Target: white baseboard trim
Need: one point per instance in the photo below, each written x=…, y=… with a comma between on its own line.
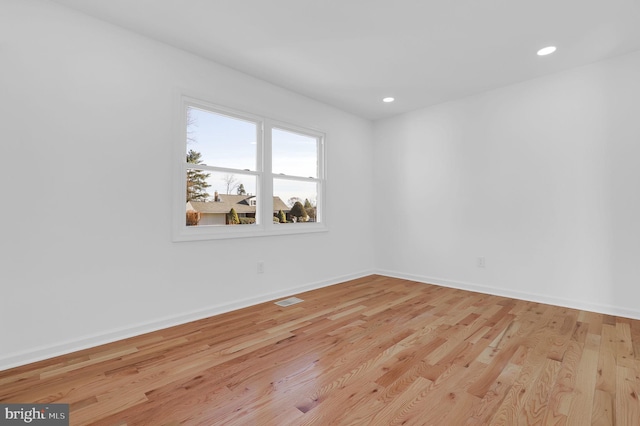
x=17, y=359
x=531, y=297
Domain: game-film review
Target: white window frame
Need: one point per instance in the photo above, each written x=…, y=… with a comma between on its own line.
x=264, y=225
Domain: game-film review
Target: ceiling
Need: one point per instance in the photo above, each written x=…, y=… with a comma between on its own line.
x=352, y=53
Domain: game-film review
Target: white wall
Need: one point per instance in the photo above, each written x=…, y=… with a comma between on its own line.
x=86, y=140
x=540, y=178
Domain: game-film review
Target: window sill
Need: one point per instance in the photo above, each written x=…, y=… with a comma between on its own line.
x=245, y=231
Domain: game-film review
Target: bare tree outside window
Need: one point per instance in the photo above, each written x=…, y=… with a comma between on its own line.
x=231, y=182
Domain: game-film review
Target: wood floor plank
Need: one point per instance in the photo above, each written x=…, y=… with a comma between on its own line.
x=513, y=409
x=581, y=409
x=607, y=360
x=537, y=405
x=375, y=350
x=603, y=409
x=487, y=407
x=627, y=411
x=562, y=393
x=624, y=344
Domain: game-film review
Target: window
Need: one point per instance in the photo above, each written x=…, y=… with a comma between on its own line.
x=244, y=175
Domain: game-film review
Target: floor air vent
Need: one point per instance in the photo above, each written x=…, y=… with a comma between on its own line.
x=290, y=301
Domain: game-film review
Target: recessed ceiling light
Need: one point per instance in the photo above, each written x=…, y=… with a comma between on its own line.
x=387, y=100
x=546, y=50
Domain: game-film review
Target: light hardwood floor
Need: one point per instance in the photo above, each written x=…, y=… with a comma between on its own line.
x=376, y=350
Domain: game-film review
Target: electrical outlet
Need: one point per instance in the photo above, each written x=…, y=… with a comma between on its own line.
x=481, y=263
x=261, y=267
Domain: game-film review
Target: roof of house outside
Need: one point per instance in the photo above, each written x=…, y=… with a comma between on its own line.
x=240, y=203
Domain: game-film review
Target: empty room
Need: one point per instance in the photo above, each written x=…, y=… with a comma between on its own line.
x=320, y=213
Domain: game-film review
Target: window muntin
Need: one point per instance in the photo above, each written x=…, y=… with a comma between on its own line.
x=271, y=160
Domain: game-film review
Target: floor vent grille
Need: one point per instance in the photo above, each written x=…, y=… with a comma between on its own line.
x=288, y=302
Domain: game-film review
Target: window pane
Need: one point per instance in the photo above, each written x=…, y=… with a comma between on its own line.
x=288, y=192
x=220, y=140
x=212, y=195
x=294, y=154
